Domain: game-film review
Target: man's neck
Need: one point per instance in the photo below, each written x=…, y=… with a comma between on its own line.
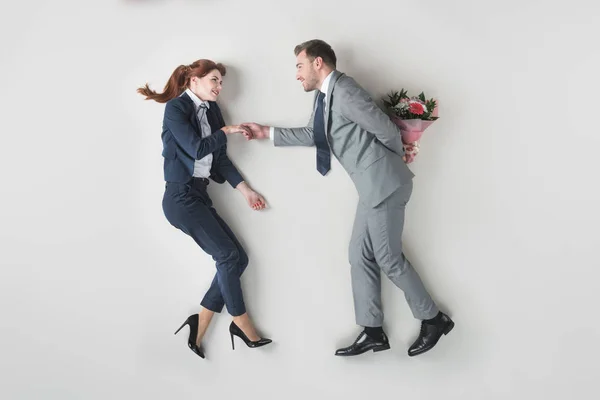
x=324, y=75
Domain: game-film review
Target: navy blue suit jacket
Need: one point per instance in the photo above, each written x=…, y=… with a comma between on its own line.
x=183, y=143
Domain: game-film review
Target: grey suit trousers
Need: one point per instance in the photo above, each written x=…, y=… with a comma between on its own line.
x=376, y=246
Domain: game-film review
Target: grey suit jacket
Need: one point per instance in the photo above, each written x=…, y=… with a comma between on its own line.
x=361, y=136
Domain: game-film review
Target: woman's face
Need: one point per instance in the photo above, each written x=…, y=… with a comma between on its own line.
x=208, y=87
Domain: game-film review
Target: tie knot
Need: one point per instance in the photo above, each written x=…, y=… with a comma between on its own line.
x=321, y=96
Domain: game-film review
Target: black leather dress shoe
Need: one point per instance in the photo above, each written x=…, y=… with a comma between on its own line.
x=364, y=343
x=430, y=334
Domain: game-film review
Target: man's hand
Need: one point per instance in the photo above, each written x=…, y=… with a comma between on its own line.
x=258, y=131
x=410, y=152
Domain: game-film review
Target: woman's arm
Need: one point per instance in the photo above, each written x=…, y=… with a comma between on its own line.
x=177, y=120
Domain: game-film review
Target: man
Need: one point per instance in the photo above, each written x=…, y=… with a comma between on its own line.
x=346, y=122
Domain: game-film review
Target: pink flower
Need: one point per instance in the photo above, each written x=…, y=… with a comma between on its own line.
x=416, y=108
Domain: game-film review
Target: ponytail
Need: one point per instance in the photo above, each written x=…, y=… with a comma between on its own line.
x=175, y=86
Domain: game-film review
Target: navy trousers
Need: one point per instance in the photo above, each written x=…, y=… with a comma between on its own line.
x=188, y=207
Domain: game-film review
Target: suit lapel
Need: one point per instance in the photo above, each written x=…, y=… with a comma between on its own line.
x=336, y=75
x=211, y=117
x=212, y=122
x=193, y=116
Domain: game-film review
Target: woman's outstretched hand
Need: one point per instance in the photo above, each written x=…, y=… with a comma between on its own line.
x=244, y=130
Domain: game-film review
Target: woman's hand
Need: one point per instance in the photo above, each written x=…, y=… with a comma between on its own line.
x=255, y=200
x=244, y=130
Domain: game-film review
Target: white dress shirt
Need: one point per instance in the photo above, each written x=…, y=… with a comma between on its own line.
x=202, y=166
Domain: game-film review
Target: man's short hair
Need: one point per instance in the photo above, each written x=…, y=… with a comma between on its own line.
x=318, y=48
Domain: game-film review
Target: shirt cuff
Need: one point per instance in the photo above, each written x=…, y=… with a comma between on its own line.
x=271, y=132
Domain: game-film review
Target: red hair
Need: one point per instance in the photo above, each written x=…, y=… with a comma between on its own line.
x=180, y=80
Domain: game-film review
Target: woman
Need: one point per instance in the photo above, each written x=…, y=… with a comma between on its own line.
x=194, y=139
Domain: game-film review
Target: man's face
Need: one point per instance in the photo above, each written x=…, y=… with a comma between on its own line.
x=306, y=72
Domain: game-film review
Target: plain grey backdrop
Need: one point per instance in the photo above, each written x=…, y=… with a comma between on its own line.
x=502, y=225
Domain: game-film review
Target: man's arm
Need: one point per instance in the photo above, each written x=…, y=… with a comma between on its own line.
x=357, y=106
x=285, y=136
x=294, y=136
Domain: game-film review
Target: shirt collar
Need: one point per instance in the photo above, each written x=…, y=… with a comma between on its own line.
x=325, y=85
x=196, y=99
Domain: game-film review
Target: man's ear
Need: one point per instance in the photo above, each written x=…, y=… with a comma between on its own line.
x=318, y=62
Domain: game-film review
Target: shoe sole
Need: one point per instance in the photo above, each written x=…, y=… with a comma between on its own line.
x=374, y=349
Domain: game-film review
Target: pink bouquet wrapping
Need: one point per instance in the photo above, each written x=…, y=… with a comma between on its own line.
x=412, y=115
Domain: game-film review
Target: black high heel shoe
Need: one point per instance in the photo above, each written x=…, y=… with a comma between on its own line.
x=192, y=321
x=235, y=330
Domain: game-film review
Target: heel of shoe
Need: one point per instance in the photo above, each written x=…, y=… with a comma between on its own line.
x=381, y=348
x=184, y=324
x=235, y=330
x=192, y=321
x=449, y=328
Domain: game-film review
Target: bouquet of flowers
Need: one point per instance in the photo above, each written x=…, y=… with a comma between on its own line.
x=412, y=115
